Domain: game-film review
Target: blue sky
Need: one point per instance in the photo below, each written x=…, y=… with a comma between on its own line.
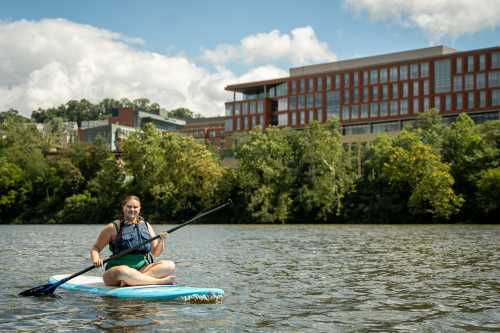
x=183, y=53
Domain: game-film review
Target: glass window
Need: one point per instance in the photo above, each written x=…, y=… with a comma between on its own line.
x=238, y=124
x=302, y=87
x=414, y=71
x=294, y=118
x=337, y=81
x=375, y=93
x=310, y=85
x=245, y=123
x=403, y=106
x=470, y=63
x=385, y=92
x=394, y=74
x=365, y=78
x=416, y=105
x=374, y=110
x=346, y=96
x=426, y=104
x=482, y=99
x=282, y=119
x=405, y=89
x=345, y=112
x=394, y=108
x=373, y=76
x=386, y=127
x=383, y=109
x=495, y=97
x=480, y=81
x=254, y=121
x=495, y=60
x=302, y=117
x=282, y=104
x=244, y=109
x=302, y=102
x=229, y=109
x=365, y=94
x=395, y=90
x=310, y=116
x=494, y=79
x=282, y=89
x=355, y=78
x=459, y=65
x=328, y=82
x=293, y=102
x=469, y=82
x=228, y=125
x=383, y=75
x=347, y=80
x=237, y=109
x=447, y=103
x=437, y=102
x=319, y=84
x=317, y=101
x=333, y=104
x=293, y=87
x=424, y=69
x=261, y=118
x=310, y=101
x=403, y=73
x=426, y=87
x=482, y=62
x=442, y=78
x=470, y=100
x=355, y=112
x=364, y=111
x=458, y=102
x=260, y=107
x=415, y=88
x=251, y=107
x=457, y=83
x=355, y=95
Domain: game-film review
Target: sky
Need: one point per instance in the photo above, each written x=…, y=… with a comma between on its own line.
x=183, y=53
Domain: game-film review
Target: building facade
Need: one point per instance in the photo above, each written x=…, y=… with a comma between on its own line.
x=123, y=122
x=209, y=130
x=373, y=94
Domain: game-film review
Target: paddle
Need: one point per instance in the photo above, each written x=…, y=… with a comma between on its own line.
x=49, y=288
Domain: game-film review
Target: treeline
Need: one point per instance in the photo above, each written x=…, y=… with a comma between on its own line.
x=83, y=110
x=428, y=173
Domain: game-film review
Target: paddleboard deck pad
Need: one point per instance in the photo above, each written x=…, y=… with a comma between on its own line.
x=175, y=293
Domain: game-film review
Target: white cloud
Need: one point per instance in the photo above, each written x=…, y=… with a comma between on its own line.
x=437, y=18
x=46, y=63
x=300, y=47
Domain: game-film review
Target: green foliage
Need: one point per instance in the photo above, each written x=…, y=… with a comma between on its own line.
x=488, y=191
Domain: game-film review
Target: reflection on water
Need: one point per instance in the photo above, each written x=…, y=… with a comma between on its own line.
x=348, y=278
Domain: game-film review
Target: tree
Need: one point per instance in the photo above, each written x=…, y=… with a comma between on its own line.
x=181, y=113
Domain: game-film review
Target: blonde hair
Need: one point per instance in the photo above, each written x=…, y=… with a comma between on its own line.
x=131, y=197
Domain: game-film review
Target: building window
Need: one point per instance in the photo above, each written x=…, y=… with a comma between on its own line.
x=482, y=62
x=228, y=125
x=426, y=104
x=310, y=85
x=395, y=91
x=282, y=119
x=495, y=96
x=437, y=102
x=495, y=60
x=310, y=116
x=345, y=112
x=383, y=75
x=458, y=102
x=229, y=110
x=282, y=89
x=457, y=83
x=355, y=78
x=302, y=87
x=244, y=109
x=494, y=79
x=375, y=93
x=383, y=109
x=365, y=78
x=416, y=105
x=394, y=108
x=293, y=87
x=310, y=101
x=374, y=110
x=294, y=118
x=385, y=92
x=355, y=95
x=355, y=112
x=347, y=80
x=328, y=82
x=365, y=94
x=373, y=76
x=254, y=121
x=482, y=99
x=237, y=109
x=346, y=96
x=364, y=111
x=251, y=107
x=403, y=106
x=293, y=102
x=337, y=81
x=302, y=102
x=470, y=100
x=424, y=69
x=426, y=87
x=414, y=71
x=261, y=118
x=459, y=65
x=405, y=89
x=282, y=104
x=470, y=64
x=386, y=127
x=245, y=123
x=394, y=74
x=447, y=103
x=260, y=107
x=319, y=84
x=333, y=104
x=403, y=73
x=238, y=124
x=480, y=81
x=317, y=101
x=442, y=78
x=469, y=82
x=415, y=88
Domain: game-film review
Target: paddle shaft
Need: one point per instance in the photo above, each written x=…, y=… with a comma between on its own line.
x=121, y=254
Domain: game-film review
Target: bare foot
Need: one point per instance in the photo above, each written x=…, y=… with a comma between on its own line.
x=167, y=280
x=123, y=284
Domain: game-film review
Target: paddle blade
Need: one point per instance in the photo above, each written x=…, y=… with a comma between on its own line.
x=46, y=289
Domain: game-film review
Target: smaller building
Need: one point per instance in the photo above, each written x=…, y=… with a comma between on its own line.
x=209, y=131
x=123, y=122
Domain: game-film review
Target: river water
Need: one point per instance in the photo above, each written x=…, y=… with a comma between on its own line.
x=285, y=278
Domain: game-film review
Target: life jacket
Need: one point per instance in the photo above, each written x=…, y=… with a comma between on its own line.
x=131, y=235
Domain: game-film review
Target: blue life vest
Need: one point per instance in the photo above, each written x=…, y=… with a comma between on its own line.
x=131, y=235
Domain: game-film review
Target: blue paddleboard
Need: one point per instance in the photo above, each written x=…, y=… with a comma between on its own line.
x=95, y=285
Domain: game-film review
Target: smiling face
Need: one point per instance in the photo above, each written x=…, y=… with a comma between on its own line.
x=131, y=210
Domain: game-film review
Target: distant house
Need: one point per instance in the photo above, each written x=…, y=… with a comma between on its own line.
x=123, y=122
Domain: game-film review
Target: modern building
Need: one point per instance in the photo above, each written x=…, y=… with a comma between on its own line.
x=209, y=130
x=123, y=122
x=372, y=94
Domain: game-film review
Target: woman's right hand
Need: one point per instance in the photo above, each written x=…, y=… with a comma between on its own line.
x=96, y=260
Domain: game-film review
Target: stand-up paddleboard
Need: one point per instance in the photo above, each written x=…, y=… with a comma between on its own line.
x=95, y=285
